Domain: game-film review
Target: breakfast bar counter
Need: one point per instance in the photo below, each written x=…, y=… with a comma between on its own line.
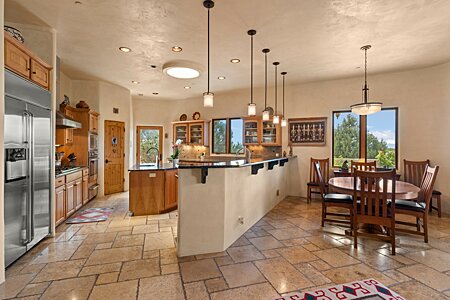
x=218, y=201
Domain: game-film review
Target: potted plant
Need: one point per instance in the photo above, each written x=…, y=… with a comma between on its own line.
x=176, y=152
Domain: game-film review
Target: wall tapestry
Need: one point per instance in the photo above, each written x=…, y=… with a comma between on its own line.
x=307, y=131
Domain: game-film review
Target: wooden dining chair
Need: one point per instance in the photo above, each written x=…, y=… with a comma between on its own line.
x=371, y=204
x=313, y=184
x=363, y=166
x=333, y=200
x=418, y=209
x=413, y=173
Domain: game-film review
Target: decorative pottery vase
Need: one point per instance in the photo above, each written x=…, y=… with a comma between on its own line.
x=175, y=161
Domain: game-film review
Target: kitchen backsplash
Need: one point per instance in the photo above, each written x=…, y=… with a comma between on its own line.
x=195, y=152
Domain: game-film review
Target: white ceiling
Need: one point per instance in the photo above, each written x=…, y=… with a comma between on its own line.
x=313, y=39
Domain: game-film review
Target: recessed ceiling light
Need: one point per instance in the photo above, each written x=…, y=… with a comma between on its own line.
x=187, y=87
x=177, y=49
x=141, y=94
x=78, y=2
x=221, y=77
x=235, y=61
x=155, y=93
x=135, y=82
x=153, y=66
x=125, y=49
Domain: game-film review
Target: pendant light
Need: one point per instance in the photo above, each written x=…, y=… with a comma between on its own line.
x=208, y=97
x=251, y=106
x=276, y=117
x=266, y=113
x=366, y=107
x=283, y=120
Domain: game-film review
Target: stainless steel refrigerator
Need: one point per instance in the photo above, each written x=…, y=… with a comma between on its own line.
x=28, y=154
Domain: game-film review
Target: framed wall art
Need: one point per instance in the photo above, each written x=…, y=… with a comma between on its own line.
x=307, y=131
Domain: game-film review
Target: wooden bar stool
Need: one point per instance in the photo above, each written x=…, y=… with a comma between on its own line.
x=313, y=184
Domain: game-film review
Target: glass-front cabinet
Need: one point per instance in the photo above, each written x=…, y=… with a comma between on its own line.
x=196, y=134
x=191, y=132
x=252, y=131
x=259, y=132
x=180, y=133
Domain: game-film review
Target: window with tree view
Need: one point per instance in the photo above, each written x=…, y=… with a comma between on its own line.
x=379, y=131
x=227, y=136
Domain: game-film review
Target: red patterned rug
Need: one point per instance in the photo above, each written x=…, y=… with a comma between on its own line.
x=91, y=215
x=368, y=289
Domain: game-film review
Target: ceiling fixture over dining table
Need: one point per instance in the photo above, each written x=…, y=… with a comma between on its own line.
x=366, y=107
x=208, y=97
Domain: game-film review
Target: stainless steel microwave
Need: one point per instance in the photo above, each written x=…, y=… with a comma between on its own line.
x=93, y=141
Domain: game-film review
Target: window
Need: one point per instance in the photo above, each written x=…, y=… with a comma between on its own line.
x=227, y=135
x=149, y=143
x=372, y=137
x=346, y=137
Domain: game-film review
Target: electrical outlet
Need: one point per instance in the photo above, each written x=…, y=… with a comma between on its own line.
x=278, y=192
x=241, y=220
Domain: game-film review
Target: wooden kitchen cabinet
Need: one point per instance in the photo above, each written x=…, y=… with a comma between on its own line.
x=85, y=189
x=65, y=136
x=271, y=133
x=171, y=189
x=93, y=122
x=259, y=132
x=22, y=61
x=191, y=132
x=60, y=204
x=252, y=131
x=78, y=190
x=70, y=198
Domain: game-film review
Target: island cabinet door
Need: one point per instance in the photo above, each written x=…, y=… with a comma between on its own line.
x=146, y=192
x=171, y=189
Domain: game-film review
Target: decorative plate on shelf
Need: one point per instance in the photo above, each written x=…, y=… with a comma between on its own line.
x=183, y=117
x=196, y=116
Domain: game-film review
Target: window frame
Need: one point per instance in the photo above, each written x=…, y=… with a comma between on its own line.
x=363, y=135
x=227, y=137
x=138, y=140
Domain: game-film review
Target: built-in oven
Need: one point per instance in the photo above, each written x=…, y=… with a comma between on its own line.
x=93, y=141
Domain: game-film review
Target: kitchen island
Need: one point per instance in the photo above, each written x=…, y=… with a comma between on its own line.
x=153, y=189
x=220, y=201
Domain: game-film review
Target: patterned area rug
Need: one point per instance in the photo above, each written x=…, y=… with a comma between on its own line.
x=364, y=289
x=91, y=215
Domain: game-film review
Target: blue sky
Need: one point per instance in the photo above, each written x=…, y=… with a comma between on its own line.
x=236, y=127
x=381, y=124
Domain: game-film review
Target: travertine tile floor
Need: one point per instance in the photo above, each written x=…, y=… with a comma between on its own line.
x=134, y=258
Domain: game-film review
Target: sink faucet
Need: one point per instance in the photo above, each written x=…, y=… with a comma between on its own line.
x=157, y=154
x=247, y=152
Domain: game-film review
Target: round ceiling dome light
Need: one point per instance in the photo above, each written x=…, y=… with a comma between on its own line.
x=125, y=49
x=182, y=69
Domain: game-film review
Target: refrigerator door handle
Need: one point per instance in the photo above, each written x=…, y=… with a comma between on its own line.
x=29, y=175
x=32, y=176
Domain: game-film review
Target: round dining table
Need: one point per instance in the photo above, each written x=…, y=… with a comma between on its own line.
x=403, y=190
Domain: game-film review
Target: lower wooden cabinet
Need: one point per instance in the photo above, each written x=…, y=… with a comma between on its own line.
x=171, y=189
x=85, y=189
x=60, y=204
x=70, y=198
x=78, y=197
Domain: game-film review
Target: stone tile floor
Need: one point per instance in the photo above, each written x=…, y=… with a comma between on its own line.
x=134, y=258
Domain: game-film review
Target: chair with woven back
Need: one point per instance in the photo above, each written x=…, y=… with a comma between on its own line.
x=413, y=172
x=333, y=200
x=313, y=184
x=372, y=191
x=419, y=208
x=363, y=166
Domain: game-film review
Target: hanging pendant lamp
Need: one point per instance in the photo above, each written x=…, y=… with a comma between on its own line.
x=283, y=120
x=266, y=112
x=208, y=97
x=251, y=106
x=276, y=117
x=366, y=107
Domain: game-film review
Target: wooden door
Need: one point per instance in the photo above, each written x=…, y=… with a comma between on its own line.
x=40, y=74
x=85, y=189
x=60, y=209
x=171, y=189
x=17, y=60
x=148, y=137
x=78, y=193
x=114, y=157
x=70, y=198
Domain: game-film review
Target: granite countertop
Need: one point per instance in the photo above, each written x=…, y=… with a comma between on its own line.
x=70, y=171
x=160, y=167
x=228, y=164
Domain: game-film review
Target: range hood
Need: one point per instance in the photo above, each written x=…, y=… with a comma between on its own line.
x=63, y=121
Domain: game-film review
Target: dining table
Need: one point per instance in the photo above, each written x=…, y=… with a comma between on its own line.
x=403, y=190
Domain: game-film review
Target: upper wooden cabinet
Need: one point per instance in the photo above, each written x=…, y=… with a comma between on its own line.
x=25, y=63
x=259, y=132
x=93, y=121
x=191, y=132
